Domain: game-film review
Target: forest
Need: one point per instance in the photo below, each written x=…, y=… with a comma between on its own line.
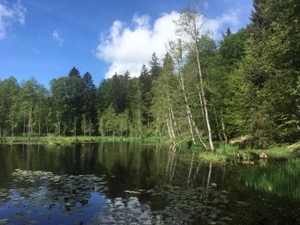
x=202, y=91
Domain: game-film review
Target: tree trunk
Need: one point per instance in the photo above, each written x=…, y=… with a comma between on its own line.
x=84, y=125
x=90, y=127
x=29, y=131
x=24, y=126
x=170, y=127
x=191, y=121
x=12, y=128
x=223, y=128
x=187, y=107
x=39, y=127
x=202, y=94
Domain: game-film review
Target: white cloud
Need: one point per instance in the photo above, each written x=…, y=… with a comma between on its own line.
x=10, y=15
x=128, y=47
x=214, y=26
x=57, y=37
x=142, y=21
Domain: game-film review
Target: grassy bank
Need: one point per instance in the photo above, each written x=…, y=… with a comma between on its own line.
x=59, y=140
x=224, y=153
x=276, y=153
x=227, y=152
x=64, y=140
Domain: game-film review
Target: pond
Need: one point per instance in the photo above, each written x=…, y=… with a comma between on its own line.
x=132, y=183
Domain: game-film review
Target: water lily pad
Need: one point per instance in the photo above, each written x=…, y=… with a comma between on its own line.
x=226, y=218
x=132, y=192
x=242, y=203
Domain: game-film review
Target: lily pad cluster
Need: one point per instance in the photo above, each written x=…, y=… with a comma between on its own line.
x=193, y=205
x=43, y=194
x=126, y=211
x=67, y=195
x=66, y=189
x=181, y=205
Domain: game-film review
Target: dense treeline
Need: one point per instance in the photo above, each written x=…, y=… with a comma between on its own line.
x=203, y=91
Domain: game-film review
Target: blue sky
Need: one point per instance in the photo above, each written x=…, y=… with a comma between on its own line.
x=45, y=39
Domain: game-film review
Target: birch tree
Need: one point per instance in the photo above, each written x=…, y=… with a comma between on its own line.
x=176, y=51
x=189, y=27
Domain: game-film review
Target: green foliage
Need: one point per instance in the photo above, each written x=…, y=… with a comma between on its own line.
x=272, y=67
x=224, y=153
x=9, y=89
x=247, y=84
x=232, y=48
x=165, y=94
x=89, y=109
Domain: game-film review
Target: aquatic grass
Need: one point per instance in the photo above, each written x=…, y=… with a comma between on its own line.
x=228, y=150
x=280, y=179
x=212, y=157
x=224, y=153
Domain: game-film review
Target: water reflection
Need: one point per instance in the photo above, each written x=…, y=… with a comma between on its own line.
x=42, y=197
x=130, y=183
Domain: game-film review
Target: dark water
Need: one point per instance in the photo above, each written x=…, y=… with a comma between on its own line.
x=130, y=183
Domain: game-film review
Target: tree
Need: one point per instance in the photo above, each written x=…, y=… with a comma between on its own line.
x=189, y=26
x=227, y=86
x=108, y=123
x=74, y=72
x=9, y=89
x=207, y=49
x=272, y=68
x=165, y=97
x=155, y=68
x=123, y=94
x=30, y=102
x=66, y=94
x=176, y=51
x=135, y=109
x=145, y=84
x=103, y=95
x=60, y=107
x=41, y=113
x=232, y=48
x=88, y=100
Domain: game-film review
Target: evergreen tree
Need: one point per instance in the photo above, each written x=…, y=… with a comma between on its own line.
x=231, y=87
x=88, y=100
x=146, y=83
x=66, y=96
x=136, y=109
x=165, y=102
x=74, y=90
x=155, y=68
x=74, y=72
x=60, y=105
